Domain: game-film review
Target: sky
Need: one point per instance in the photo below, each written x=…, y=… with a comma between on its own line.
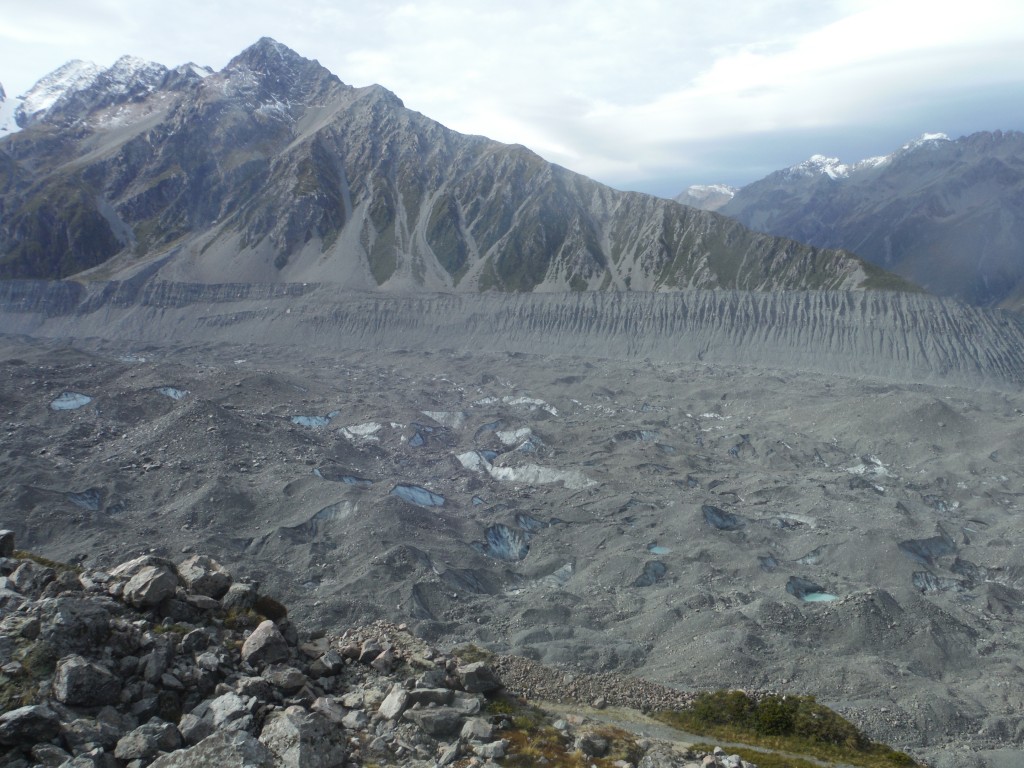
x=650, y=95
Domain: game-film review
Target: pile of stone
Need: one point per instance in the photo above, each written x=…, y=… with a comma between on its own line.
x=163, y=664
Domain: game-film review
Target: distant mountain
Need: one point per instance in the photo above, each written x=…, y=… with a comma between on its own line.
x=7, y=109
x=947, y=215
x=707, y=197
x=273, y=170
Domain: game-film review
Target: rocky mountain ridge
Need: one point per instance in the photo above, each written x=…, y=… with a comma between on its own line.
x=945, y=214
x=273, y=170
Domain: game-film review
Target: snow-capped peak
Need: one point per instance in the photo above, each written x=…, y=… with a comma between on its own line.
x=817, y=165
x=73, y=76
x=832, y=167
x=708, y=197
x=129, y=69
x=924, y=139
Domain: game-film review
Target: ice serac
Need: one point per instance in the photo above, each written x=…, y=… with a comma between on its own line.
x=942, y=213
x=895, y=336
x=274, y=169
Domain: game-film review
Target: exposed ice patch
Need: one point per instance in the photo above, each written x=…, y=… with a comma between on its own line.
x=334, y=476
x=313, y=422
x=926, y=550
x=173, y=393
x=530, y=523
x=813, y=557
x=930, y=583
x=528, y=474
x=313, y=528
x=652, y=573
x=504, y=543
x=512, y=436
x=90, y=499
x=870, y=465
x=656, y=549
x=450, y=419
x=365, y=431
x=529, y=446
x=69, y=401
x=491, y=426
x=417, y=495
x=560, y=577
x=722, y=520
x=530, y=404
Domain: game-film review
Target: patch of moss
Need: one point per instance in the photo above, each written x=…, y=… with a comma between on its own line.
x=21, y=554
x=236, y=619
x=38, y=661
x=469, y=653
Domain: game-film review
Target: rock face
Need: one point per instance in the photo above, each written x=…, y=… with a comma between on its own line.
x=944, y=214
x=319, y=181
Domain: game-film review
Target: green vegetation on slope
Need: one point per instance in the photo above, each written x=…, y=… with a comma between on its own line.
x=795, y=724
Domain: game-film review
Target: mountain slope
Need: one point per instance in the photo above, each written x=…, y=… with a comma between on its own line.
x=273, y=170
x=947, y=215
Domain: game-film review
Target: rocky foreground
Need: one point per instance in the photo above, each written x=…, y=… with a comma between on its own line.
x=159, y=664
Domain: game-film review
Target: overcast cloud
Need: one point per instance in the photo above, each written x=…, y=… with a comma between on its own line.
x=654, y=95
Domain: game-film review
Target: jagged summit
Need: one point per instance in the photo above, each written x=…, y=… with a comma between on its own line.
x=48, y=90
x=280, y=72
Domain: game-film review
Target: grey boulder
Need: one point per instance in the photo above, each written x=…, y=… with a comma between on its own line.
x=224, y=749
x=205, y=576
x=150, y=586
x=266, y=645
x=301, y=739
x=78, y=682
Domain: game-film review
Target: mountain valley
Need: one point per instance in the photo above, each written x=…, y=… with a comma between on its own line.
x=391, y=372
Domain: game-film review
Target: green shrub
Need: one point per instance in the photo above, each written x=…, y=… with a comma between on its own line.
x=797, y=724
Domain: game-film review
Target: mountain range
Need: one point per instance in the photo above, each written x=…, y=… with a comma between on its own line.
x=273, y=170
x=946, y=214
